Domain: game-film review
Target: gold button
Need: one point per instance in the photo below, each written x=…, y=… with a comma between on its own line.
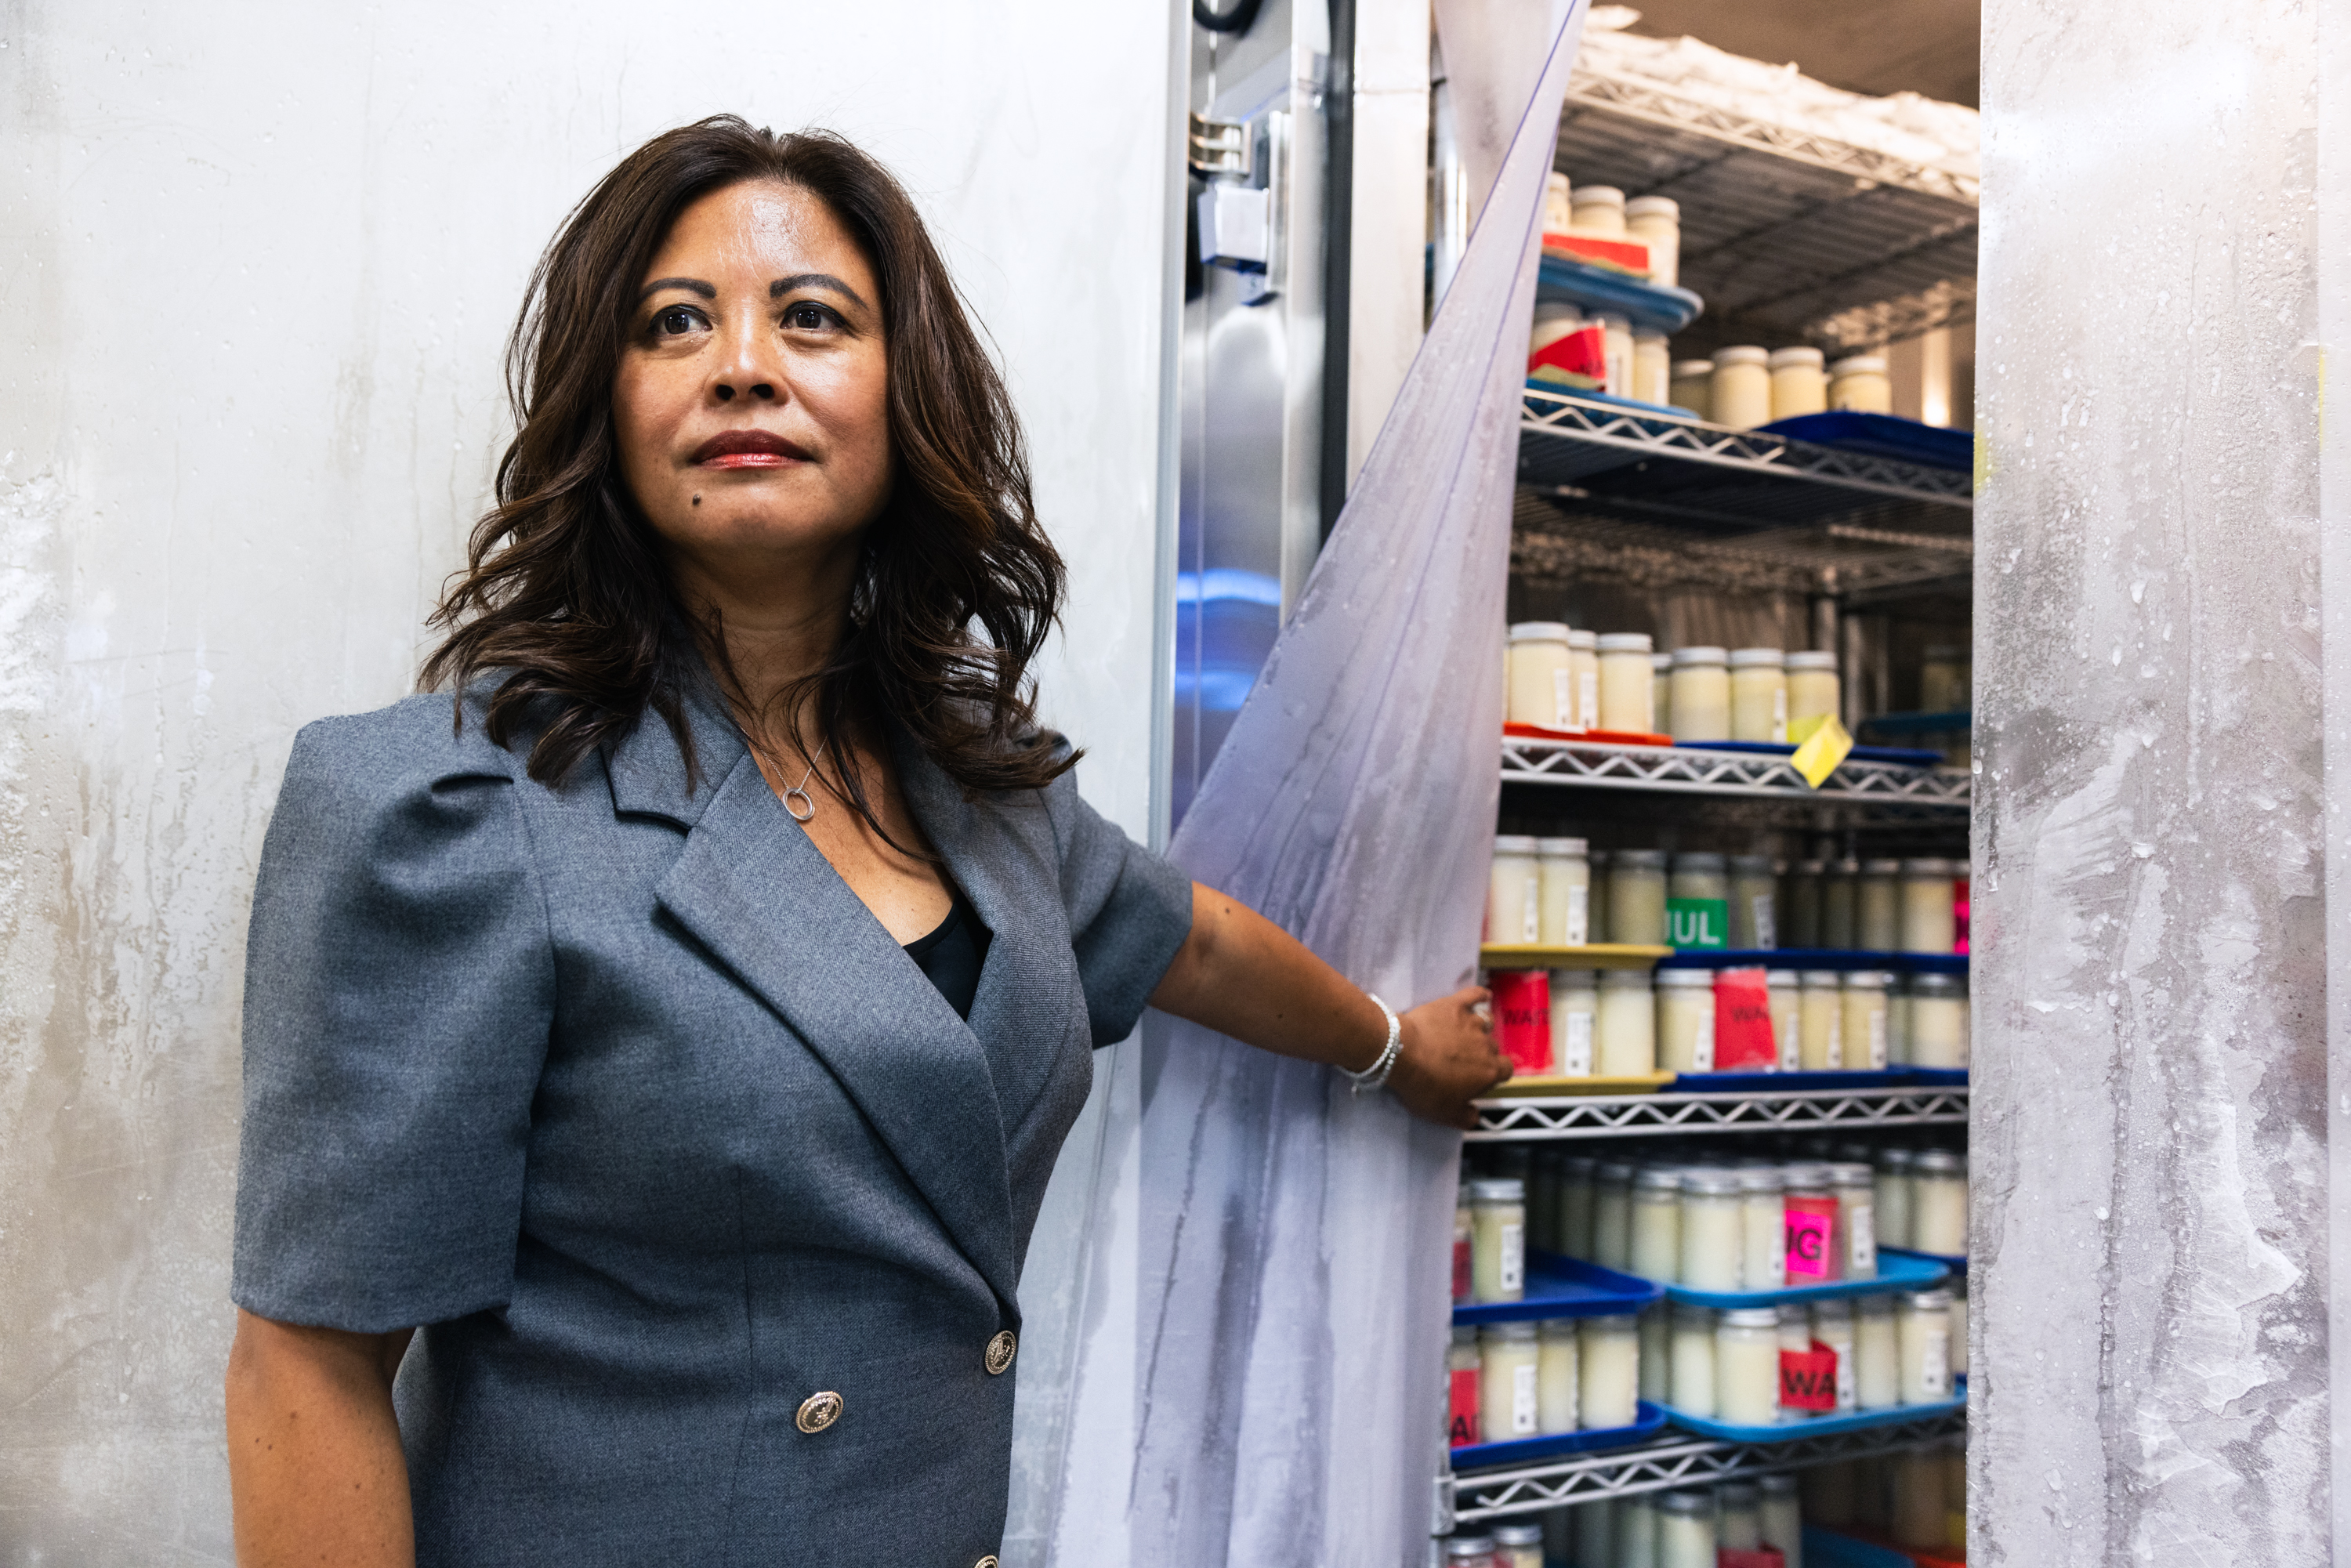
x=819, y=1411
x=1001, y=1350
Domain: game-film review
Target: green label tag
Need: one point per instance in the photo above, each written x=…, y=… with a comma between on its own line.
x=1698, y=921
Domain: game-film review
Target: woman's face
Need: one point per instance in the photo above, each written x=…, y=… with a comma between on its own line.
x=750, y=404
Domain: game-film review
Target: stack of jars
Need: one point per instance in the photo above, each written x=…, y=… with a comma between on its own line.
x=1573, y=680
x=1755, y=1366
x=1879, y=905
x=1916, y=1500
x=1680, y=1529
x=1755, y=1226
x=1746, y=385
x=1922, y=1201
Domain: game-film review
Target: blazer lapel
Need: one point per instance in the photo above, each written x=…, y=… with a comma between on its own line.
x=760, y=896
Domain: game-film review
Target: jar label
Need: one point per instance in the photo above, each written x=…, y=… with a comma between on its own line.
x=1808, y=1240
x=1563, y=699
x=1461, y=1413
x=1522, y=1402
x=1702, y=1045
x=1935, y=1363
x=1698, y=921
x=1522, y=1018
x=1808, y=1379
x=1836, y=1043
x=1588, y=707
x=1460, y=1270
x=1760, y=1557
x=1861, y=1260
x=1575, y=1051
x=1792, y=1047
x=1512, y=1269
x=1579, y=916
x=1532, y=916
x=1742, y=1021
x=1877, y=1040
x=1848, y=1390
x=1767, y=933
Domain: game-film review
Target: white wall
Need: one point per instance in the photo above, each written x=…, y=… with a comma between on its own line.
x=259, y=262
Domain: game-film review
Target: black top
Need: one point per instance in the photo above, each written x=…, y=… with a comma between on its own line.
x=951, y=956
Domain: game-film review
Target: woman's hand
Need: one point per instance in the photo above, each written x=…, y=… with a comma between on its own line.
x=1448, y=1057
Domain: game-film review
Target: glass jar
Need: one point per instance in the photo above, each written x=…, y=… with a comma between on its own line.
x=1624, y=682
x=1464, y=1231
x=1661, y=692
x=1922, y=1334
x=1800, y=905
x=1859, y=384
x=1690, y=1380
x=1864, y=1023
x=1692, y=387
x=1839, y=929
x=1892, y=1198
x=1699, y=874
x=1897, y=1021
x=1564, y=878
x=1598, y=210
x=1637, y=1533
x=1518, y=1546
x=1574, y=1234
x=1754, y=903
x=1596, y=905
x=1944, y=679
x=1627, y=1026
x=1782, y=1513
x=1553, y=319
x=1813, y=694
x=1656, y=1348
x=1758, y=695
x=1498, y=1242
x=1714, y=1247
x=1463, y=1375
x=1701, y=695
x=1514, y=891
x=1685, y=1020
x=1608, y=1370
x=1637, y=897
x=1939, y=1020
x=1468, y=1552
x=1617, y=331
x=1584, y=660
x=1957, y=1287
x=1784, y=990
x=1559, y=211
x=1509, y=1391
x=1918, y=1493
x=1653, y=366
x=1929, y=906
x=1612, y=1214
x=1811, y=1226
x=1656, y=222
x=1574, y=1015
x=1856, y=1186
x=1795, y=1339
x=1542, y=676
x=1799, y=384
x=1820, y=1021
x=1877, y=1353
x=1739, y=1522
x=1542, y=1195
x=1741, y=396
x=1833, y=1327
x=1686, y=1530
x=1878, y=915
x=1556, y=1377
x=1747, y=1366
x=1657, y=1222
x=1938, y=1202
x=1764, y=1227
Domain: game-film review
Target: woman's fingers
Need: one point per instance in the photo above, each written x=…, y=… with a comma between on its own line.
x=1449, y=1057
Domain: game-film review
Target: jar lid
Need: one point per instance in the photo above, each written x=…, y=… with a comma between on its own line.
x=1684, y=979
x=1610, y=1323
x=1498, y=1189
x=1939, y=985
x=1514, y=843
x=1874, y=867
x=1928, y=1301
x=1777, y=1486
x=1661, y=663
x=1852, y=1171
x=1641, y=205
x=1556, y=1329
x=1615, y=320
x=1699, y=861
x=1518, y=1535
x=1895, y=1159
x=1692, y=368
x=1829, y=978
x=1752, y=1318
x=1658, y=1178
x=1846, y=867
x=1942, y=1162
x=1808, y=659
x=1836, y=1309
x=1691, y=1502
x=1756, y=658
x=1945, y=653
x=1929, y=865
x=1752, y=865
x=1742, y=354
x=1872, y=1306
x=1539, y=632
x=1761, y=1178
x=1641, y=859
x=1810, y=868
x=1559, y=846
x=1783, y=359
x=1555, y=310
x=1575, y=979
x=1457, y=1546
x=1647, y=335
x=1623, y=980
x=1597, y=857
x=1617, y=1170
x=1781, y=978
x=1693, y=1313
x=1713, y=1181
x=1464, y=1335
x=1597, y=195
x=1518, y=1329
x=1624, y=641
x=1866, y=979
x=1793, y=1316
x=1586, y=641
x=1737, y=1494
x=1859, y=365
x=1807, y=1176
x=1575, y=1167
x=1687, y=656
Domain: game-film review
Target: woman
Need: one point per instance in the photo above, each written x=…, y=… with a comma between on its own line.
x=682, y=1038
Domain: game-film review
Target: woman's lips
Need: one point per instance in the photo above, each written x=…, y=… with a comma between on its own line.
x=747, y=449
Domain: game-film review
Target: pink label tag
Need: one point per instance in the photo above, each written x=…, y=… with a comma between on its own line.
x=1522, y=1018
x=1808, y=1244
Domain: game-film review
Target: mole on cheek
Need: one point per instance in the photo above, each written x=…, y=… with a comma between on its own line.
x=697, y=500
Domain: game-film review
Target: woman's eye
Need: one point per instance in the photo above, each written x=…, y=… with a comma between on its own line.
x=808, y=317
x=676, y=321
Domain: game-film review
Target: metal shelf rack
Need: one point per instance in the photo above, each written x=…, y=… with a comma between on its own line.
x=1694, y=770
x=1787, y=235
x=1555, y=1118
x=1666, y=1462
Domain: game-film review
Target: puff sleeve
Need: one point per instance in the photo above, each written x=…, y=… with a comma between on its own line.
x=399, y=992
x=1129, y=911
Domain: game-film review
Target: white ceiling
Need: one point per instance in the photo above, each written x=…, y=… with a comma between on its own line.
x=1930, y=46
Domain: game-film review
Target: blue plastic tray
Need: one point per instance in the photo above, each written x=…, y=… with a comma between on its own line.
x=1896, y=1271
x=1595, y=288
x=1818, y=1427
x=1940, y=1077
x=1663, y=411
x=1949, y=723
x=1882, y=435
x=1784, y=1082
x=1485, y=1455
x=1900, y=755
x=1816, y=959
x=1561, y=1287
x=1825, y=1549
x=1955, y=1262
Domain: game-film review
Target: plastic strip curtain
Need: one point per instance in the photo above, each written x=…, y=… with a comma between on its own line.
x=1294, y=1241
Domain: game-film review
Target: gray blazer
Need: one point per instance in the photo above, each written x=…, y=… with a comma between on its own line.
x=711, y=1207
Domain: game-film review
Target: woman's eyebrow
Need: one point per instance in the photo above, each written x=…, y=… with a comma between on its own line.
x=783, y=286
x=690, y=284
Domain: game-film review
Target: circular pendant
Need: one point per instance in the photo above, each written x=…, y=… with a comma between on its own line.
x=799, y=803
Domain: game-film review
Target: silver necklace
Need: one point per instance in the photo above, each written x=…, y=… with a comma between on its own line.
x=807, y=806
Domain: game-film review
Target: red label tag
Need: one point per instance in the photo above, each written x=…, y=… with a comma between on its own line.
x=1810, y=1221
x=1461, y=1415
x=1808, y=1379
x=1460, y=1272
x=1761, y=1557
x=1743, y=1023
x=1577, y=358
x=1522, y=1018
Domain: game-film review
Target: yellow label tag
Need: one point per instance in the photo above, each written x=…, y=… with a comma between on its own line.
x=1818, y=756
x=1800, y=730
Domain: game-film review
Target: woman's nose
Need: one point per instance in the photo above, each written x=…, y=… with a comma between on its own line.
x=748, y=368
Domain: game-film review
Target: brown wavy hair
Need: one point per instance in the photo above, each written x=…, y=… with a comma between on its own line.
x=565, y=598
